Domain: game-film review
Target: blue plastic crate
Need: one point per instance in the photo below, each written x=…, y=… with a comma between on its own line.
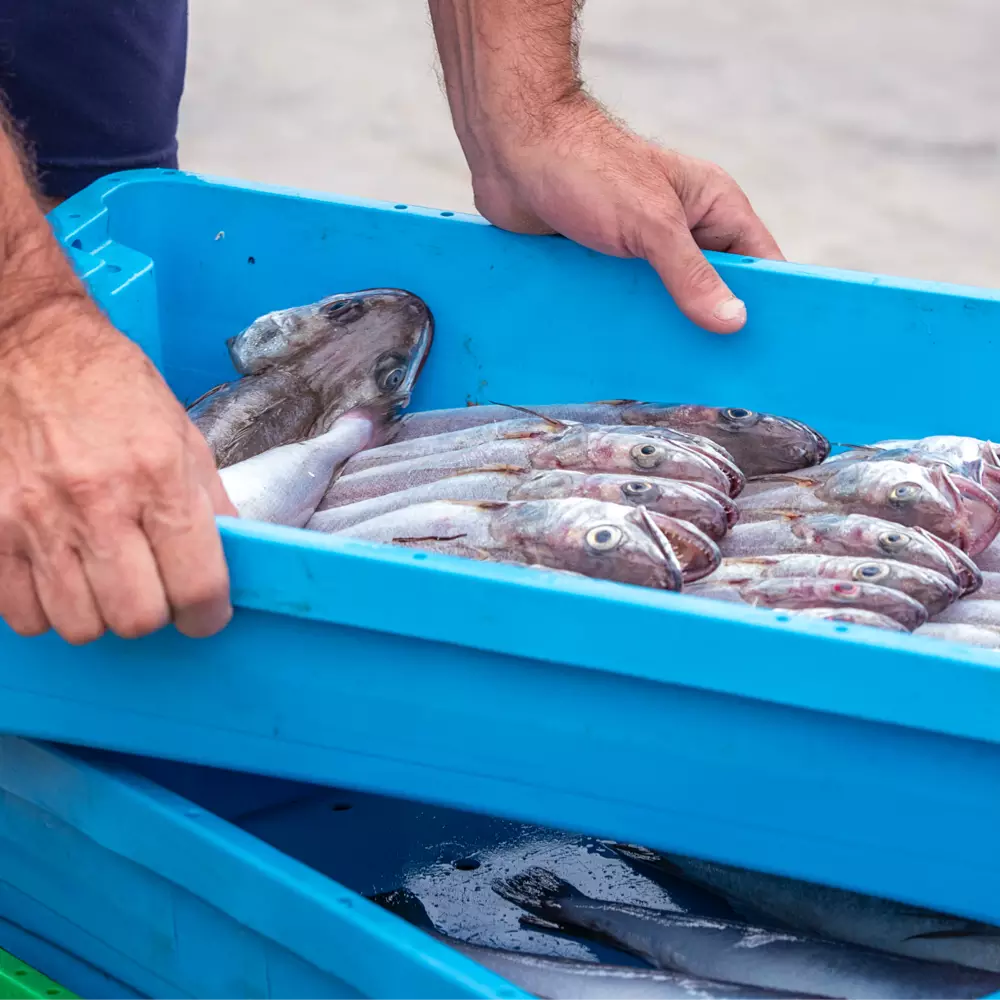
x=823, y=751
x=127, y=877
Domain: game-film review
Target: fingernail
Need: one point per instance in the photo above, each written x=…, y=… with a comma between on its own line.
x=730, y=309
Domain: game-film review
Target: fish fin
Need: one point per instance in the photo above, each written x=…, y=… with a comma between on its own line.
x=415, y=539
x=783, y=477
x=405, y=904
x=753, y=560
x=536, y=889
x=855, y=447
x=481, y=504
x=513, y=469
x=614, y=402
x=205, y=395
x=557, y=424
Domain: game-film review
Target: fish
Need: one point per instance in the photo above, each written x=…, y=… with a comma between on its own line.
x=796, y=593
x=577, y=448
x=759, y=443
x=971, y=612
x=738, y=952
x=571, y=979
x=603, y=540
x=953, y=508
x=533, y=427
x=283, y=485
x=301, y=368
x=851, y=616
x=973, y=458
x=707, y=509
x=933, y=590
x=852, y=535
x=971, y=635
x=990, y=590
x=841, y=914
x=989, y=559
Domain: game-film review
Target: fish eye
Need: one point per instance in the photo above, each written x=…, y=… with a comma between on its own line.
x=604, y=538
x=739, y=416
x=871, y=572
x=846, y=591
x=893, y=541
x=903, y=494
x=343, y=309
x=390, y=373
x=638, y=489
x=647, y=456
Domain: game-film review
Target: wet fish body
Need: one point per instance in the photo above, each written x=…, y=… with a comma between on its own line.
x=596, y=539
x=742, y=953
x=569, y=979
x=972, y=611
x=853, y=917
x=953, y=508
x=852, y=535
x=758, y=442
x=855, y=616
x=971, y=635
x=284, y=485
x=304, y=367
x=798, y=593
x=933, y=590
x=708, y=510
x=578, y=448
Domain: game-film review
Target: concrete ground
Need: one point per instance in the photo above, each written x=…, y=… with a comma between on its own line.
x=866, y=134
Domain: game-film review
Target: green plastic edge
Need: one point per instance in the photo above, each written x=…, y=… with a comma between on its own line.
x=19, y=981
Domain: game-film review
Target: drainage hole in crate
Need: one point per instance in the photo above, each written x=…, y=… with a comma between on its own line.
x=112, y=268
x=251, y=260
x=400, y=206
x=76, y=215
x=782, y=618
x=466, y=864
x=77, y=244
x=419, y=555
x=20, y=972
x=53, y=993
x=339, y=807
x=447, y=215
x=840, y=628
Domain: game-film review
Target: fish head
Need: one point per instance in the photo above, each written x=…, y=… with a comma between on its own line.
x=933, y=590
x=758, y=441
x=864, y=535
x=708, y=450
x=819, y=592
x=593, y=538
x=376, y=339
x=696, y=552
x=610, y=450
x=902, y=492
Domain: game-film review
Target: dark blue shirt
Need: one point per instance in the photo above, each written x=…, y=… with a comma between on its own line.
x=94, y=84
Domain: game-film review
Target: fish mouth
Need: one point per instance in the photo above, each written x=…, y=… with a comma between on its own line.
x=696, y=553
x=420, y=353
x=967, y=574
x=674, y=570
x=820, y=445
x=982, y=509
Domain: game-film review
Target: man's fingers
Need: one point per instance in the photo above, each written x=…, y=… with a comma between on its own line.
x=126, y=584
x=192, y=565
x=694, y=284
x=19, y=604
x=65, y=596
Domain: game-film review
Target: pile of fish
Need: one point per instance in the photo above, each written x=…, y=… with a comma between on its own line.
x=724, y=503
x=700, y=930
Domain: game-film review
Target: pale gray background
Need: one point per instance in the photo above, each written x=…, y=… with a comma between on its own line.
x=866, y=132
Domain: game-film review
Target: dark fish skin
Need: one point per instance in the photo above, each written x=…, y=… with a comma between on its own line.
x=838, y=914
x=758, y=442
x=739, y=952
x=305, y=367
x=568, y=979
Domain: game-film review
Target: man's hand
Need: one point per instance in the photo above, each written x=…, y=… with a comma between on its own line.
x=545, y=157
x=107, y=490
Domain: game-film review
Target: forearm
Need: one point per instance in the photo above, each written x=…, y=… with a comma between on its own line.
x=510, y=67
x=34, y=271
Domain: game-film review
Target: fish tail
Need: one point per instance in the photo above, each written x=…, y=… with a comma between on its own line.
x=536, y=889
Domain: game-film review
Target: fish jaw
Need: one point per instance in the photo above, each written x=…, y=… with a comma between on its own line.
x=966, y=573
x=696, y=552
x=982, y=510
